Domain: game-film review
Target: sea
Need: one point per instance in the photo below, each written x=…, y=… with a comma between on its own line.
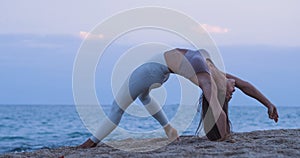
x=31, y=127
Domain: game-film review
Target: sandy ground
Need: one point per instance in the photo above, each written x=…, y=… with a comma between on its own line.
x=270, y=143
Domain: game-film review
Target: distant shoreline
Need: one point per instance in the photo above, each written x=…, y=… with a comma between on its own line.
x=267, y=143
x=108, y=104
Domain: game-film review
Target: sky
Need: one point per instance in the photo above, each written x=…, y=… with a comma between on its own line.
x=248, y=22
x=258, y=40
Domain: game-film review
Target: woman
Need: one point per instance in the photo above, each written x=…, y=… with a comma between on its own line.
x=187, y=63
x=232, y=82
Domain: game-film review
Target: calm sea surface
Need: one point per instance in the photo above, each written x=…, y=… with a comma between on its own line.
x=32, y=127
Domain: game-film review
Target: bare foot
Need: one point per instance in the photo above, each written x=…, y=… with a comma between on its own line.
x=228, y=138
x=88, y=144
x=171, y=133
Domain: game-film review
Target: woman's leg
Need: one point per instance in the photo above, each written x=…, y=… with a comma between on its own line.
x=136, y=84
x=123, y=99
x=153, y=108
x=156, y=111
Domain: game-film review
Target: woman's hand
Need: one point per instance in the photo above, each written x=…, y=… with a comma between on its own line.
x=272, y=111
x=229, y=89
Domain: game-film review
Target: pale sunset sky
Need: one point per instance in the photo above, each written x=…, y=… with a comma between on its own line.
x=258, y=40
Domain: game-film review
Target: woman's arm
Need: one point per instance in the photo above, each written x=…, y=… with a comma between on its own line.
x=253, y=92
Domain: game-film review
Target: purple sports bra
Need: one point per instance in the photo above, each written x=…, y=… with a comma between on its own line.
x=197, y=61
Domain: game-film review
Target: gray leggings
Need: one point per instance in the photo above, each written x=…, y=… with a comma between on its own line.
x=146, y=77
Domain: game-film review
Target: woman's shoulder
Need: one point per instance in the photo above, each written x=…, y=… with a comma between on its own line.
x=177, y=50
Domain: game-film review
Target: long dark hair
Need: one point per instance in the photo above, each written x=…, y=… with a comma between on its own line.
x=212, y=134
x=220, y=80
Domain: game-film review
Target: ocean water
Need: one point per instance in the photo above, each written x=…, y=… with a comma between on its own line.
x=32, y=127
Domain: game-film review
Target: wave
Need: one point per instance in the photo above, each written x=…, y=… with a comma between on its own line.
x=10, y=138
x=21, y=149
x=78, y=134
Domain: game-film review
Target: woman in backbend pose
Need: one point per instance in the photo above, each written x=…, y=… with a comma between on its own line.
x=196, y=66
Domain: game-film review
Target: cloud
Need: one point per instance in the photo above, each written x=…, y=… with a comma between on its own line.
x=151, y=35
x=87, y=35
x=24, y=41
x=214, y=29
